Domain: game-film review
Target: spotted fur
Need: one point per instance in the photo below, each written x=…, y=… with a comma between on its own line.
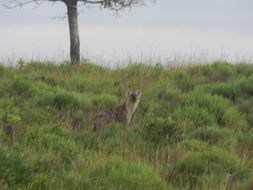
x=121, y=113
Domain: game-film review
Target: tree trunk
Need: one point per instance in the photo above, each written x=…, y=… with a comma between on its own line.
x=73, y=31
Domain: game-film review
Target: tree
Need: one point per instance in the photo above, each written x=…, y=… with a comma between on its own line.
x=72, y=14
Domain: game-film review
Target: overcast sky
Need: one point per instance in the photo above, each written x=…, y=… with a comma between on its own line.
x=164, y=31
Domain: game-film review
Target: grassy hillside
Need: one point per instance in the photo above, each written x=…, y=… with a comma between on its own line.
x=193, y=128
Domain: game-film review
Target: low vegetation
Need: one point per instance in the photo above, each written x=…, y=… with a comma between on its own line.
x=193, y=128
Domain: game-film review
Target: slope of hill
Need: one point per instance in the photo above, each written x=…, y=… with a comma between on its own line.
x=193, y=128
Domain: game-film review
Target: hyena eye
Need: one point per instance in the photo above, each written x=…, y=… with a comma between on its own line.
x=128, y=93
x=138, y=92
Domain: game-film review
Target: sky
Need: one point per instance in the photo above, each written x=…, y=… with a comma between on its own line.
x=167, y=31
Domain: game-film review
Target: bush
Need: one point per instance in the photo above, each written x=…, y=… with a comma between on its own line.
x=50, y=142
x=9, y=113
x=62, y=99
x=234, y=90
x=70, y=100
x=104, y=100
x=216, y=164
x=183, y=81
x=50, y=139
x=160, y=100
x=246, y=87
x=125, y=175
x=157, y=129
x=213, y=136
x=244, y=70
x=23, y=87
x=215, y=72
x=19, y=172
x=193, y=145
x=15, y=170
x=225, y=89
x=225, y=114
x=194, y=116
x=114, y=174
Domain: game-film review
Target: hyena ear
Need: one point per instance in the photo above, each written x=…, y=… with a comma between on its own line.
x=128, y=93
x=138, y=92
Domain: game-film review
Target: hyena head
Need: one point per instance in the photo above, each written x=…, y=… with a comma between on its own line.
x=133, y=99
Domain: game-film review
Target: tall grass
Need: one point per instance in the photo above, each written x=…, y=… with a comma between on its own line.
x=191, y=130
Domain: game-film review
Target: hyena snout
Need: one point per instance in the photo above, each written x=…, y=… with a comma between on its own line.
x=133, y=97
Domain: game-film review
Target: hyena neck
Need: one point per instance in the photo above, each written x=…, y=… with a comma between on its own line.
x=131, y=106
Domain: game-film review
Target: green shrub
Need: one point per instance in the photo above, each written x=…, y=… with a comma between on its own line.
x=114, y=174
x=170, y=95
x=246, y=87
x=50, y=142
x=234, y=90
x=23, y=87
x=213, y=136
x=39, y=115
x=9, y=113
x=125, y=175
x=225, y=89
x=69, y=99
x=216, y=164
x=160, y=100
x=244, y=70
x=50, y=139
x=215, y=72
x=105, y=100
x=225, y=114
x=194, y=116
x=157, y=129
x=193, y=145
x=19, y=172
x=183, y=81
x=62, y=99
x=15, y=170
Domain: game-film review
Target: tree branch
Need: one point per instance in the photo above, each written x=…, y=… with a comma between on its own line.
x=92, y=2
x=20, y=3
x=115, y=5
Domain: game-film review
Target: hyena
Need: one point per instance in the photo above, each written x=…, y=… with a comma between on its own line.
x=121, y=113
